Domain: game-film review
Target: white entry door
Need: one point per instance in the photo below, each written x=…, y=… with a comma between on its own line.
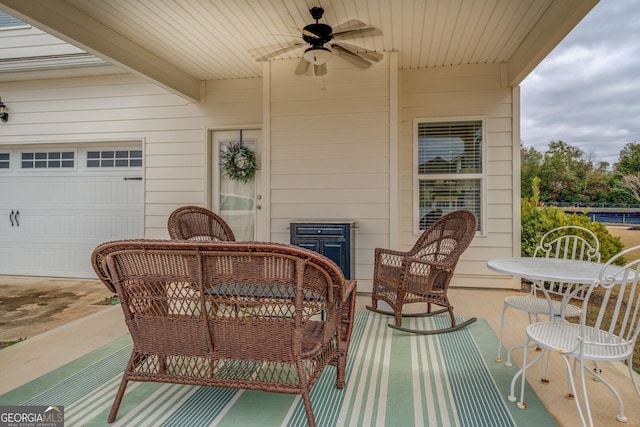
x=57, y=204
x=234, y=200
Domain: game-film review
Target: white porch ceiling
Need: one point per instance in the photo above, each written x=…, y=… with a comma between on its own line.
x=178, y=43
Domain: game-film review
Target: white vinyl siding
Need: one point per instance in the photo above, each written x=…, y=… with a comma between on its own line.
x=330, y=153
x=462, y=92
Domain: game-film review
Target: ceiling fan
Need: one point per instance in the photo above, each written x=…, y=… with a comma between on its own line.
x=322, y=41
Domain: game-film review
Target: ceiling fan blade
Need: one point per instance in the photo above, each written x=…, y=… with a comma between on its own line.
x=302, y=68
x=352, y=24
x=320, y=70
x=265, y=53
x=362, y=52
x=284, y=35
x=368, y=31
x=310, y=34
x=298, y=31
x=350, y=56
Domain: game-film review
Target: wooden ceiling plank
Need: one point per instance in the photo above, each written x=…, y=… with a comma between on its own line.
x=557, y=21
x=458, y=33
x=510, y=13
x=178, y=43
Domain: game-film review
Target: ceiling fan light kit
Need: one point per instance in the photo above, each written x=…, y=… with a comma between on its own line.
x=317, y=55
x=322, y=41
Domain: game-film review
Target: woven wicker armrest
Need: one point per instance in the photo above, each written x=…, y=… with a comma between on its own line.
x=423, y=274
x=445, y=264
x=229, y=314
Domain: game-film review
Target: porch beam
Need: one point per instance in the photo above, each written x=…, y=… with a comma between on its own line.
x=64, y=21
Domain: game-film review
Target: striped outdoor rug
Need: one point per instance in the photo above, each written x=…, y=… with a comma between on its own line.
x=393, y=379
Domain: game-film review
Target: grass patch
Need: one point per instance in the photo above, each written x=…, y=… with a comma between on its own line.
x=4, y=344
x=112, y=300
x=593, y=309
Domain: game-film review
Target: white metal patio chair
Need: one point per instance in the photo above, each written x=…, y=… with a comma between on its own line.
x=567, y=242
x=611, y=337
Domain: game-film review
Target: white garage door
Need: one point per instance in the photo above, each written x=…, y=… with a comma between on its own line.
x=58, y=203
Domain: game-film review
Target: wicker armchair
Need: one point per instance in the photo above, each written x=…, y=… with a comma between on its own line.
x=261, y=316
x=422, y=275
x=197, y=223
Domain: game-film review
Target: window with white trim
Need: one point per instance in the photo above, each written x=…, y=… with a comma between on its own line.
x=8, y=22
x=5, y=161
x=47, y=159
x=449, y=169
x=114, y=159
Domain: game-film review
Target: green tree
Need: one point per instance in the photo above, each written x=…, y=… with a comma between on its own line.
x=563, y=173
x=629, y=159
x=567, y=174
x=530, y=166
x=625, y=173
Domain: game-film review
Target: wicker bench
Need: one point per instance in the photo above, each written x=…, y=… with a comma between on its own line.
x=245, y=315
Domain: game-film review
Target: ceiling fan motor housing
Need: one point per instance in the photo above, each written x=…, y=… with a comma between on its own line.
x=322, y=32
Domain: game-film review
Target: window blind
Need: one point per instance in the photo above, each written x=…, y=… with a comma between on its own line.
x=450, y=147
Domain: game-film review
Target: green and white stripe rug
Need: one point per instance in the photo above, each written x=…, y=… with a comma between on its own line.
x=393, y=379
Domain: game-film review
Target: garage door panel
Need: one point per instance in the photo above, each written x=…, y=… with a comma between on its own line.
x=116, y=191
x=63, y=216
x=55, y=260
x=111, y=227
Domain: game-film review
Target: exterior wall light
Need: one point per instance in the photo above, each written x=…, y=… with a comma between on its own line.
x=4, y=116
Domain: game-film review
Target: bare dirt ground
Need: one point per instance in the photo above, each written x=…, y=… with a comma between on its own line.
x=33, y=305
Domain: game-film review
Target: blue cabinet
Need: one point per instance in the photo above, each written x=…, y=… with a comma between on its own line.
x=335, y=240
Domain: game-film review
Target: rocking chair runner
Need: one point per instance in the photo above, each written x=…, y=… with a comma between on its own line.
x=423, y=273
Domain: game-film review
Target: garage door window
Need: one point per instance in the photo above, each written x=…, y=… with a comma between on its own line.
x=48, y=160
x=114, y=159
x=5, y=161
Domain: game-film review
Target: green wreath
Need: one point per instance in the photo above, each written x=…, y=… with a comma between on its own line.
x=239, y=162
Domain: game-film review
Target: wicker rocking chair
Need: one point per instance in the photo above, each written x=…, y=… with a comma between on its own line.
x=197, y=223
x=423, y=273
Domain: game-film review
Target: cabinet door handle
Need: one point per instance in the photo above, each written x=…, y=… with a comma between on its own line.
x=16, y=217
x=11, y=217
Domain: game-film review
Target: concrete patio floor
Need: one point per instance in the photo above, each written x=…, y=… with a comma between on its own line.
x=44, y=352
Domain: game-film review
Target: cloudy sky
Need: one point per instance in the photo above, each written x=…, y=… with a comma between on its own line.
x=587, y=91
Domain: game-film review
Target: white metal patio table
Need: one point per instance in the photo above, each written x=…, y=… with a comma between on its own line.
x=549, y=269
x=581, y=273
